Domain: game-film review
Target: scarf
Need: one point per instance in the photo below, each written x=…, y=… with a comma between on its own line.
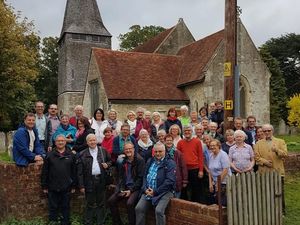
x=172, y=118
x=171, y=151
x=132, y=125
x=113, y=124
x=145, y=145
x=79, y=133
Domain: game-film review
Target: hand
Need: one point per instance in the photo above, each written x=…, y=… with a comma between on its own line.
x=274, y=148
x=73, y=151
x=38, y=158
x=72, y=190
x=82, y=190
x=211, y=188
x=200, y=174
x=150, y=192
x=127, y=193
x=49, y=149
x=45, y=191
x=269, y=163
x=105, y=166
x=184, y=185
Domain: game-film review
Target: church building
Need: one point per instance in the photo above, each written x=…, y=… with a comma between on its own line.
x=172, y=69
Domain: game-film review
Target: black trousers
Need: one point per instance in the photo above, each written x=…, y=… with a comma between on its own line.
x=131, y=202
x=193, y=191
x=59, y=203
x=95, y=200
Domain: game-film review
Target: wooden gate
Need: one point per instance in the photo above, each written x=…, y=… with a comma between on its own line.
x=254, y=199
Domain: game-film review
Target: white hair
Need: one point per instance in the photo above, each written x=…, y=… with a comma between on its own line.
x=143, y=131
x=239, y=132
x=184, y=107
x=89, y=136
x=161, y=131
x=213, y=123
x=80, y=107
x=156, y=114
x=267, y=125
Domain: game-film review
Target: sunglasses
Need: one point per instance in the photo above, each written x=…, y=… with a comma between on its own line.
x=267, y=131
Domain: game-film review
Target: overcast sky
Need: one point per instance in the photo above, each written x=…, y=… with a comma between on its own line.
x=263, y=18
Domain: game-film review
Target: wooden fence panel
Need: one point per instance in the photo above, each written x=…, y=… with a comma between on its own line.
x=254, y=199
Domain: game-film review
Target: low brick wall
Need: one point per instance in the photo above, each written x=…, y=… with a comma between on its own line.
x=21, y=197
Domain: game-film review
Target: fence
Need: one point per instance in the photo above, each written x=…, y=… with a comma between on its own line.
x=254, y=199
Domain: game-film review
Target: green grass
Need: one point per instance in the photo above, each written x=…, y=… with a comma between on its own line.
x=292, y=199
x=5, y=157
x=292, y=141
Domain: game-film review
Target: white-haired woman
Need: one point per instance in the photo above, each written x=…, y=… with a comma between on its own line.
x=131, y=120
x=114, y=123
x=175, y=131
x=145, y=145
x=156, y=125
x=241, y=155
x=184, y=117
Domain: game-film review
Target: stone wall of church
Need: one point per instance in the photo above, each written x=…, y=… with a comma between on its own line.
x=178, y=38
x=68, y=100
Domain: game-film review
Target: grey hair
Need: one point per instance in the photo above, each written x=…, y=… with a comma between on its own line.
x=198, y=126
x=184, y=107
x=175, y=126
x=143, y=131
x=78, y=107
x=156, y=114
x=237, y=132
x=187, y=127
x=60, y=135
x=89, y=136
x=213, y=123
x=267, y=125
x=159, y=145
x=112, y=110
x=161, y=131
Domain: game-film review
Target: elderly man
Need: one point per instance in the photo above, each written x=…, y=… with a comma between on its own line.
x=131, y=173
x=78, y=110
x=192, y=151
x=26, y=144
x=92, y=164
x=270, y=153
x=58, y=180
x=158, y=186
x=213, y=126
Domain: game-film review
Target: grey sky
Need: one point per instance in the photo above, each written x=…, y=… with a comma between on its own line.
x=263, y=18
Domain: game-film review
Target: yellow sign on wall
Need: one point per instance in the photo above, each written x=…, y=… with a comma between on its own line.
x=228, y=105
x=227, y=69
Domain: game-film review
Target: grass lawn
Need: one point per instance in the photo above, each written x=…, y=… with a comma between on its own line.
x=292, y=141
x=292, y=199
x=4, y=157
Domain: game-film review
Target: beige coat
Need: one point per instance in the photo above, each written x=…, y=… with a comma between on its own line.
x=263, y=153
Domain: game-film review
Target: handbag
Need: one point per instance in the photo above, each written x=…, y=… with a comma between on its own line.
x=108, y=172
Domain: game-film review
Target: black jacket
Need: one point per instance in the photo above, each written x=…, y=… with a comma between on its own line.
x=137, y=173
x=84, y=168
x=59, y=171
x=80, y=143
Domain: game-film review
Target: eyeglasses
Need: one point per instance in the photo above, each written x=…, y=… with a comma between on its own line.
x=53, y=108
x=159, y=151
x=127, y=149
x=267, y=131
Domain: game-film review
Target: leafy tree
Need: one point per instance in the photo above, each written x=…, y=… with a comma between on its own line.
x=18, y=66
x=137, y=36
x=278, y=97
x=46, y=83
x=286, y=49
x=294, y=110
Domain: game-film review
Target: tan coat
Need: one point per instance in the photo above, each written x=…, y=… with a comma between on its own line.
x=263, y=153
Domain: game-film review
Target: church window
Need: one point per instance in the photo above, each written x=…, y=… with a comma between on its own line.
x=79, y=36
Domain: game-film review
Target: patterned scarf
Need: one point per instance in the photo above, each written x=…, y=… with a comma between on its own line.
x=171, y=151
x=113, y=124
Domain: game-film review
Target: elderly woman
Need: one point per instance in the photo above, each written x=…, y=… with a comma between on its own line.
x=131, y=120
x=175, y=131
x=161, y=134
x=181, y=169
x=184, y=118
x=156, y=125
x=66, y=129
x=219, y=165
x=113, y=122
x=145, y=145
x=194, y=121
x=229, y=140
x=83, y=130
x=241, y=155
x=172, y=119
x=98, y=123
x=108, y=139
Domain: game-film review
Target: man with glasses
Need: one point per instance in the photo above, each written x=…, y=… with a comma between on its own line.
x=131, y=173
x=158, y=186
x=270, y=153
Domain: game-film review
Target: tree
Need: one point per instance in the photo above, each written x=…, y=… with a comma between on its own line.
x=137, y=36
x=46, y=83
x=286, y=50
x=294, y=110
x=18, y=66
x=278, y=96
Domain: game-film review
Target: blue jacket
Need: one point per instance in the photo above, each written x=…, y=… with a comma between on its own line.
x=21, y=153
x=116, y=145
x=165, y=179
x=70, y=131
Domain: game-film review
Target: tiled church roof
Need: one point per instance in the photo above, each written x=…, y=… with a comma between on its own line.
x=139, y=76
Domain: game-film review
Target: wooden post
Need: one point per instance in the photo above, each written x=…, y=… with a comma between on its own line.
x=220, y=201
x=230, y=61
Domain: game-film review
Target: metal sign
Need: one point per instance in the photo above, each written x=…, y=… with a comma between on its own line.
x=227, y=69
x=228, y=105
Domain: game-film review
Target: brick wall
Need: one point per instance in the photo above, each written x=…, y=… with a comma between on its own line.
x=21, y=197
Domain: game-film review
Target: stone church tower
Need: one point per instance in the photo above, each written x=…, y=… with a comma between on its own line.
x=82, y=29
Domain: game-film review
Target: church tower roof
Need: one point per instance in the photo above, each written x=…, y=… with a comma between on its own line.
x=83, y=17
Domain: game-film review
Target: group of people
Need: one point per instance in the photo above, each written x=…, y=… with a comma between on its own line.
x=155, y=159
